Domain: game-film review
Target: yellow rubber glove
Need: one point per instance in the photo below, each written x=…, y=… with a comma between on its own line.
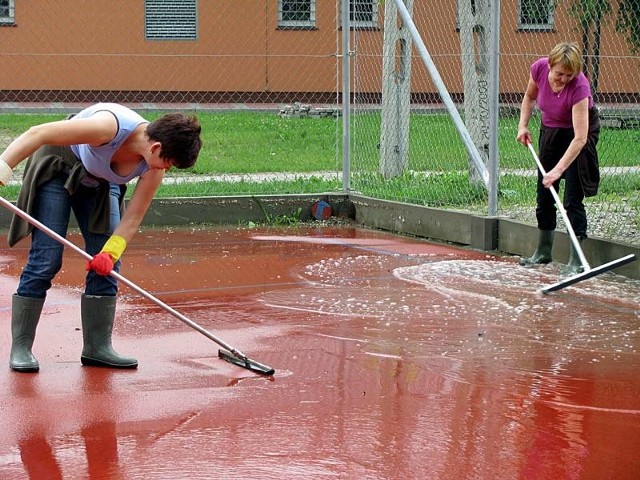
x=115, y=247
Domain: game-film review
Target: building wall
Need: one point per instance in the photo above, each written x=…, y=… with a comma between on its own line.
x=77, y=45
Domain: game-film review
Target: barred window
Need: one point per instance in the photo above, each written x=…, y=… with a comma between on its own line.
x=296, y=13
x=171, y=19
x=536, y=14
x=364, y=13
x=7, y=12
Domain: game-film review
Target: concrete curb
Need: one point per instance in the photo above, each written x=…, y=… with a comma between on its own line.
x=491, y=234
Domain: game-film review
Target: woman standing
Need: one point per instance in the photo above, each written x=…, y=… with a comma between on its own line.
x=83, y=164
x=569, y=133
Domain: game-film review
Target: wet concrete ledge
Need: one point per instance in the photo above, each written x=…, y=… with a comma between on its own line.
x=484, y=233
x=478, y=232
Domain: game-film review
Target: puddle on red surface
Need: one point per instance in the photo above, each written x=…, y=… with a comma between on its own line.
x=394, y=358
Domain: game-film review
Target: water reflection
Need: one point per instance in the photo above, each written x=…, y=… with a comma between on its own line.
x=470, y=372
x=90, y=452
x=38, y=458
x=389, y=366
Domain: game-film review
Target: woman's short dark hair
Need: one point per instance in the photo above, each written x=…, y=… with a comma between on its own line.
x=179, y=135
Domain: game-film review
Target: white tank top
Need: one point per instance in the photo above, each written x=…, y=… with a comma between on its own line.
x=97, y=160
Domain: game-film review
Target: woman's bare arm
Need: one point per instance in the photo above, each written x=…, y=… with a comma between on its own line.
x=96, y=130
x=526, y=109
x=139, y=203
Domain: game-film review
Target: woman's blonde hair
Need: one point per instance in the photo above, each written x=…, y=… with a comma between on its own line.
x=567, y=54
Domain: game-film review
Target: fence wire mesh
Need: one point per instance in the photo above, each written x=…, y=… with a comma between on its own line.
x=405, y=144
x=281, y=61
x=262, y=72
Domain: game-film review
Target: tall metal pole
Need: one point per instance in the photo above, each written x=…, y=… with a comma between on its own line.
x=346, y=96
x=494, y=107
x=444, y=94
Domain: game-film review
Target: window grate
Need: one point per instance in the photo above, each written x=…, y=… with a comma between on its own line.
x=536, y=14
x=171, y=19
x=297, y=13
x=7, y=12
x=364, y=13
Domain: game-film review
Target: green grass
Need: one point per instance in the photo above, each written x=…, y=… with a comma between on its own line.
x=434, y=144
x=243, y=142
x=10, y=192
x=217, y=188
x=246, y=142
x=240, y=142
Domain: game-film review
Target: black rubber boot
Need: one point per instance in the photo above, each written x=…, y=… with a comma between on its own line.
x=574, y=265
x=25, y=315
x=98, y=314
x=543, y=251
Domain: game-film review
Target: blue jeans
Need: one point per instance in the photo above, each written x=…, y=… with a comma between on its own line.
x=53, y=207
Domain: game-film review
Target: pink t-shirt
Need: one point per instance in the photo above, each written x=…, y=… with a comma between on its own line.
x=556, y=108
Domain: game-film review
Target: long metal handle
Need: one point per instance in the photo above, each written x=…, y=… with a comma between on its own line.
x=120, y=278
x=563, y=212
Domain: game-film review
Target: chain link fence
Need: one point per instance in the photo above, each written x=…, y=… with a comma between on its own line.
x=406, y=146
x=285, y=57
x=270, y=60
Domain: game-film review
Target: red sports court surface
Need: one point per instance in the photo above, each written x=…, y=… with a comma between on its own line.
x=394, y=358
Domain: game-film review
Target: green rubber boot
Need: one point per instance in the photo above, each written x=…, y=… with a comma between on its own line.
x=543, y=251
x=574, y=265
x=25, y=315
x=98, y=314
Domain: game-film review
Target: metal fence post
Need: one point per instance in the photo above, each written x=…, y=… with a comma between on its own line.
x=346, y=97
